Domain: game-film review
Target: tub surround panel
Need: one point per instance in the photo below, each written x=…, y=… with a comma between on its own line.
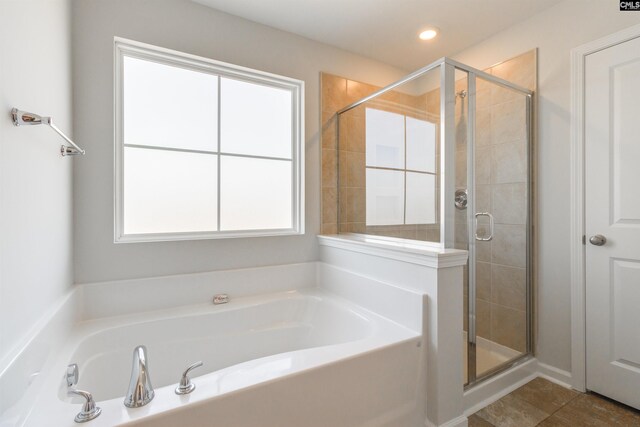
x=441, y=287
x=403, y=306
x=156, y=293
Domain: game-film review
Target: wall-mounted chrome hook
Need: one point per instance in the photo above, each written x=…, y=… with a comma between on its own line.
x=23, y=118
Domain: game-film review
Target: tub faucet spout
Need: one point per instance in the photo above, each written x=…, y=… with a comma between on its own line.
x=140, y=389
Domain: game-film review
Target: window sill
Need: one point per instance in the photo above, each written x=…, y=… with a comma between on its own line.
x=171, y=237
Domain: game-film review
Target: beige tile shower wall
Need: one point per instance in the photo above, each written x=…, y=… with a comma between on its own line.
x=336, y=93
x=352, y=172
x=501, y=188
x=344, y=208
x=333, y=91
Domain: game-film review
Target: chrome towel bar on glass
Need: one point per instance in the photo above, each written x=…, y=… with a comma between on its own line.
x=22, y=118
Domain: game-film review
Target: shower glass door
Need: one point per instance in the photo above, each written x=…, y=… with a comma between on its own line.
x=494, y=122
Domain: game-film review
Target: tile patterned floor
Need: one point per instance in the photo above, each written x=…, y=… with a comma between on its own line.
x=545, y=404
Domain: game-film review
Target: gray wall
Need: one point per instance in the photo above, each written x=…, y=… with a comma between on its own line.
x=185, y=26
x=35, y=181
x=555, y=32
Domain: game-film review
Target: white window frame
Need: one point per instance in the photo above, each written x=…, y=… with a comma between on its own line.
x=129, y=48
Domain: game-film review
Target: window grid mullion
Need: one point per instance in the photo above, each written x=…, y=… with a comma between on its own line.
x=186, y=150
x=404, y=219
x=400, y=170
x=161, y=148
x=219, y=149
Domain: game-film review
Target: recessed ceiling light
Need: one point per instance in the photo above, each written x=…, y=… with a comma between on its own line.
x=428, y=34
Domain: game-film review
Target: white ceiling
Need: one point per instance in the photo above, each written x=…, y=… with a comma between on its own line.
x=386, y=30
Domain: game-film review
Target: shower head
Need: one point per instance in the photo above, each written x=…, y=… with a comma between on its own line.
x=23, y=118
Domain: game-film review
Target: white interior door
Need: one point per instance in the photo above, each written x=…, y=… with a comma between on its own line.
x=612, y=203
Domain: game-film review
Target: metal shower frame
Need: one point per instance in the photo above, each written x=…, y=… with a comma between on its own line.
x=448, y=69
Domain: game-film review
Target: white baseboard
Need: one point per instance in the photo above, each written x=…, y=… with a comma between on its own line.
x=499, y=386
x=555, y=375
x=504, y=383
x=460, y=421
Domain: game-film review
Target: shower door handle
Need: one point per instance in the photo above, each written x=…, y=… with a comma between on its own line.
x=490, y=237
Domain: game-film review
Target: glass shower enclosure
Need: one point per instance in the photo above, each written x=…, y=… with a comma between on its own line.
x=443, y=157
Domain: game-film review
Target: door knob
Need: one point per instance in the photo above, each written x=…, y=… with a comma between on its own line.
x=598, y=240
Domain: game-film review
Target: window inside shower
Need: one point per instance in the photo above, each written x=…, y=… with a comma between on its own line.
x=400, y=166
x=388, y=155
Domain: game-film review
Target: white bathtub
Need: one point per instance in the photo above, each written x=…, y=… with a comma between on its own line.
x=299, y=358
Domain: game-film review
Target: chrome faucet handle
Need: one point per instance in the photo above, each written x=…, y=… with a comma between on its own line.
x=89, y=408
x=186, y=386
